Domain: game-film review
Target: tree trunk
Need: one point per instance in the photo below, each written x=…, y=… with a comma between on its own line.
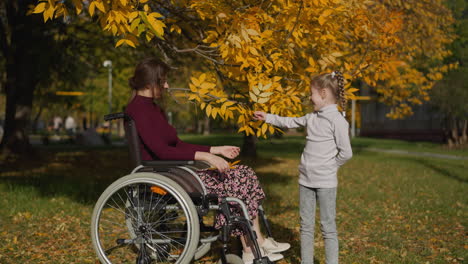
x=464, y=136
x=206, y=126
x=199, y=126
x=249, y=147
x=23, y=64
x=17, y=118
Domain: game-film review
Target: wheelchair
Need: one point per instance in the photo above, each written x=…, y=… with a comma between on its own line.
x=156, y=213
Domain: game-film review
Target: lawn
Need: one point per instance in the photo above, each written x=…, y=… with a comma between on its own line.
x=391, y=208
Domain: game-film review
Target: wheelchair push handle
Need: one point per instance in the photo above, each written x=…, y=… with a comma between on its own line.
x=115, y=116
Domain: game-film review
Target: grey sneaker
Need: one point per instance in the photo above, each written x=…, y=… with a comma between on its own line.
x=272, y=246
x=248, y=257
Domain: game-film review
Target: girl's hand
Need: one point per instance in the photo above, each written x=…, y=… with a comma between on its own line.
x=221, y=164
x=229, y=152
x=259, y=115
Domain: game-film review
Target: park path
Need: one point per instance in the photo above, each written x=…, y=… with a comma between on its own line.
x=417, y=154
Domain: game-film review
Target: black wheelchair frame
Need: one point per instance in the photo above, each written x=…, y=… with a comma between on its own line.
x=181, y=173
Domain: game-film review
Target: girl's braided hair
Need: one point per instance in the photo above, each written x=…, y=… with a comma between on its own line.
x=333, y=81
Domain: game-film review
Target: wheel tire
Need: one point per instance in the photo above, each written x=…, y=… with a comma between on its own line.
x=193, y=230
x=232, y=259
x=202, y=250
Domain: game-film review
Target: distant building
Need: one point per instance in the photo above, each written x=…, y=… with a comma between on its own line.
x=424, y=125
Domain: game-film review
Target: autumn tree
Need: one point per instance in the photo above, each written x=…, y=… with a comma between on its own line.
x=259, y=55
x=450, y=95
x=38, y=59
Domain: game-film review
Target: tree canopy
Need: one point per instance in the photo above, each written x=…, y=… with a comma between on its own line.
x=260, y=54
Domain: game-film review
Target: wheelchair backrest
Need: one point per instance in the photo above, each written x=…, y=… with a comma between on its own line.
x=133, y=140
x=131, y=135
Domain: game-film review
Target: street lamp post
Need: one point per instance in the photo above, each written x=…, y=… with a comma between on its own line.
x=108, y=65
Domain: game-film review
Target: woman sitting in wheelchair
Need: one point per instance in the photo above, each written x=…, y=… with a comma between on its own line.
x=160, y=142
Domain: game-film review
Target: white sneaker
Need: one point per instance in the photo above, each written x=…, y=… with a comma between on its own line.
x=248, y=257
x=272, y=246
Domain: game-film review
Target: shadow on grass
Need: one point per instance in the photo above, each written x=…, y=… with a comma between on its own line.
x=81, y=174
x=446, y=170
x=452, y=169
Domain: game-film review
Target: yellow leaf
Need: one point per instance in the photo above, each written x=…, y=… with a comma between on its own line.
x=100, y=6
x=327, y=12
x=195, y=82
x=207, y=85
x=203, y=91
x=120, y=42
x=49, y=13
x=253, y=97
x=135, y=24
x=156, y=26
x=264, y=128
x=92, y=7
x=256, y=89
x=253, y=51
x=208, y=110
x=267, y=94
x=337, y=54
x=266, y=87
x=192, y=88
x=229, y=103
x=131, y=42
x=133, y=15
x=321, y=20
x=252, y=32
x=271, y=129
x=241, y=119
x=245, y=35
x=263, y=100
x=235, y=162
x=39, y=8
x=176, y=29
x=202, y=77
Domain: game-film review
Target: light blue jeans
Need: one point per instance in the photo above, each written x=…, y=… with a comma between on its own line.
x=326, y=198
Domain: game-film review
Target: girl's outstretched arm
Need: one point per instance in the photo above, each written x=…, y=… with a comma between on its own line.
x=289, y=122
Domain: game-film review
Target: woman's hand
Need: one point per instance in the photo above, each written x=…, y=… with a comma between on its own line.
x=229, y=152
x=215, y=161
x=259, y=115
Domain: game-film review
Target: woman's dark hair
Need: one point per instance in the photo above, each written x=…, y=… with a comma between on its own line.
x=335, y=83
x=148, y=72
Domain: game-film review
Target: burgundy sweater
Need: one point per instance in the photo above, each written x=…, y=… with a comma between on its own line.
x=158, y=139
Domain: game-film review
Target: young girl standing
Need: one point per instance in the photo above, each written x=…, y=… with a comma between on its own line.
x=327, y=148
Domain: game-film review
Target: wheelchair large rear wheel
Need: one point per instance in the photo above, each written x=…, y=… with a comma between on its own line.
x=145, y=218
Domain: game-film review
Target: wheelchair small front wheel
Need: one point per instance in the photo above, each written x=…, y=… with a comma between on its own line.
x=145, y=218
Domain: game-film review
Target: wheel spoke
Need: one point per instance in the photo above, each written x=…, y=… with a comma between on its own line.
x=141, y=217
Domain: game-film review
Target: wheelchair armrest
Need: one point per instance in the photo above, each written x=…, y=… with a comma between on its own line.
x=168, y=163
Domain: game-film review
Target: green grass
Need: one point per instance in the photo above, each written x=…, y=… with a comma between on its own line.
x=391, y=208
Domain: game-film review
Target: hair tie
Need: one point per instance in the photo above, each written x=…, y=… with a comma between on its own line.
x=333, y=74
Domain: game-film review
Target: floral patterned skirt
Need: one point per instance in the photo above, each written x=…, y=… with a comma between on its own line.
x=240, y=182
